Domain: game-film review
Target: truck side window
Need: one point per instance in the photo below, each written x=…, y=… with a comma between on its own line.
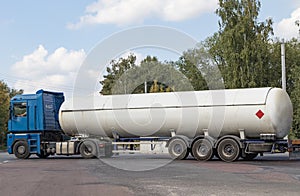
x=20, y=109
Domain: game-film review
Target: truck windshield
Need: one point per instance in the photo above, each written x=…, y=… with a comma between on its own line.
x=20, y=109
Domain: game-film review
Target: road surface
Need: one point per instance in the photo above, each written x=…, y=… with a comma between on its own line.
x=148, y=175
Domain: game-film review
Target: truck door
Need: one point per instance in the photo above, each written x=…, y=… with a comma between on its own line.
x=19, y=116
x=32, y=115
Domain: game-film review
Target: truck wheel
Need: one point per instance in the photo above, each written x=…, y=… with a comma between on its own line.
x=202, y=150
x=249, y=156
x=21, y=150
x=178, y=149
x=229, y=150
x=88, y=149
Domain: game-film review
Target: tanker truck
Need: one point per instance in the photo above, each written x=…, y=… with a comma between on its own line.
x=228, y=124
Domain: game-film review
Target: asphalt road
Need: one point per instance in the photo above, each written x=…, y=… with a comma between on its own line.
x=148, y=175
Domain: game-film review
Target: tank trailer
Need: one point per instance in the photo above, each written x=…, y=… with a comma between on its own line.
x=229, y=124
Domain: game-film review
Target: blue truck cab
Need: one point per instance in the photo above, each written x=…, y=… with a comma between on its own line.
x=33, y=121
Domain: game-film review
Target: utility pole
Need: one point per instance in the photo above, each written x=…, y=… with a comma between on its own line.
x=145, y=86
x=297, y=23
x=283, y=73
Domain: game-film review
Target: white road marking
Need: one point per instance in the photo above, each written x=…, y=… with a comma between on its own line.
x=3, y=162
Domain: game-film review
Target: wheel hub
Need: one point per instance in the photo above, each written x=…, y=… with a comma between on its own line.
x=88, y=149
x=21, y=149
x=178, y=149
x=203, y=150
x=229, y=150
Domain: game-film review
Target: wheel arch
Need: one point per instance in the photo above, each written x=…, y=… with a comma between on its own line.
x=182, y=137
x=210, y=139
x=237, y=139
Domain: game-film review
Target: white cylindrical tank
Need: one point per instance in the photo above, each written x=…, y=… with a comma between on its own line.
x=220, y=112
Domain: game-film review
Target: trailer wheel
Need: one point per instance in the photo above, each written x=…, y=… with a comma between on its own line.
x=249, y=156
x=178, y=149
x=88, y=149
x=21, y=150
x=229, y=150
x=202, y=150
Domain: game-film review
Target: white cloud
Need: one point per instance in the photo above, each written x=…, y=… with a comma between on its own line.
x=286, y=28
x=296, y=3
x=56, y=71
x=125, y=12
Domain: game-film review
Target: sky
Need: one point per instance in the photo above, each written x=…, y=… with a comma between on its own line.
x=43, y=44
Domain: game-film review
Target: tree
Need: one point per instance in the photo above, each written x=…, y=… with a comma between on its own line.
x=198, y=66
x=132, y=79
x=295, y=97
x=5, y=94
x=241, y=48
x=292, y=54
x=14, y=92
x=4, y=106
x=114, y=72
x=246, y=55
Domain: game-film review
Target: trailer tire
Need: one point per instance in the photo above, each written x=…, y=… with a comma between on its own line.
x=88, y=149
x=178, y=149
x=202, y=150
x=229, y=150
x=21, y=150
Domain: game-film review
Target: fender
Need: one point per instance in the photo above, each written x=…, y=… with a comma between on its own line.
x=184, y=138
x=210, y=139
x=237, y=139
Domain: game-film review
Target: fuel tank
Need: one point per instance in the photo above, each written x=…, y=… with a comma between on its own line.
x=220, y=112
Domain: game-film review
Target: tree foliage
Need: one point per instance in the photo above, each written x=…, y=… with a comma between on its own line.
x=4, y=110
x=158, y=77
x=116, y=69
x=198, y=66
x=5, y=94
x=241, y=48
x=293, y=79
x=246, y=55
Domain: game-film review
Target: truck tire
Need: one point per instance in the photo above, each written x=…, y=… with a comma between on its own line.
x=178, y=149
x=21, y=149
x=202, y=150
x=88, y=149
x=229, y=150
